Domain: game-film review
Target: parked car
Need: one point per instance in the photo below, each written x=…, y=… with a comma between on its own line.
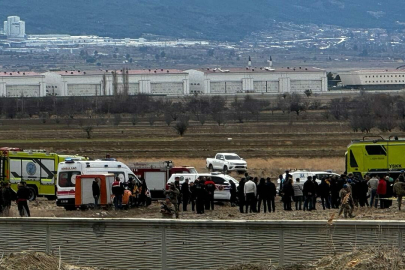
x=303, y=176
x=226, y=162
x=222, y=182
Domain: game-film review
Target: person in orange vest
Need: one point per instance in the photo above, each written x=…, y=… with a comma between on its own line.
x=118, y=191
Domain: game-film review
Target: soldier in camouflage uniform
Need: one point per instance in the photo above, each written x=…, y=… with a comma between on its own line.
x=167, y=208
x=347, y=202
x=173, y=194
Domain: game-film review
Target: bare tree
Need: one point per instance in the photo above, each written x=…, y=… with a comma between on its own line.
x=181, y=127
x=89, y=130
x=115, y=83
x=104, y=85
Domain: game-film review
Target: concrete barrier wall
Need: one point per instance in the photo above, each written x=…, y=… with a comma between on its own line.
x=191, y=244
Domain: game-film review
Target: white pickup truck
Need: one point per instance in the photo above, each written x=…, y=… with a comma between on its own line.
x=226, y=162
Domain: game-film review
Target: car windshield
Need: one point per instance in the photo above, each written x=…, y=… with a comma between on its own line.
x=67, y=179
x=229, y=178
x=232, y=158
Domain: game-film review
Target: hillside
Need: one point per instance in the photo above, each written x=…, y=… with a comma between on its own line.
x=208, y=19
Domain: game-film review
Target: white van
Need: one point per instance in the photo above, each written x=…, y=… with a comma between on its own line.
x=69, y=169
x=222, y=182
x=303, y=176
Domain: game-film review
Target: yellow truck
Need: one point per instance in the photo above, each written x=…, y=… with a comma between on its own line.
x=35, y=167
x=375, y=154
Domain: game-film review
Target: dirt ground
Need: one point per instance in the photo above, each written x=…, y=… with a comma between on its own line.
x=223, y=211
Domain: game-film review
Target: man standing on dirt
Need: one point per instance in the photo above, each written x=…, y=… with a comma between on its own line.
x=233, y=193
x=373, y=184
x=173, y=194
x=308, y=191
x=177, y=185
x=210, y=188
x=241, y=194
x=347, y=202
x=199, y=190
x=7, y=198
x=250, y=194
x=118, y=191
x=270, y=195
x=185, y=192
x=96, y=191
x=23, y=195
x=144, y=188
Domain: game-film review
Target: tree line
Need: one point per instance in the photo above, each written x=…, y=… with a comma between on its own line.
x=361, y=113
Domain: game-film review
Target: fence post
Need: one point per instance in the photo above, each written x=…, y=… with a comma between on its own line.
x=281, y=244
x=163, y=259
x=48, y=240
x=400, y=239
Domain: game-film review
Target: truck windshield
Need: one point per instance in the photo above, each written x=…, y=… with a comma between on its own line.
x=192, y=171
x=67, y=179
x=232, y=158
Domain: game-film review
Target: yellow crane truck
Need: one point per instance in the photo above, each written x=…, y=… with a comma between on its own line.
x=35, y=167
x=375, y=155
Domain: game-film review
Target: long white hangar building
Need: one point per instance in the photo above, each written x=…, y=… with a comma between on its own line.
x=162, y=82
x=257, y=80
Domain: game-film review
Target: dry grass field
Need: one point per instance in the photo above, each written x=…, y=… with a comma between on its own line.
x=276, y=142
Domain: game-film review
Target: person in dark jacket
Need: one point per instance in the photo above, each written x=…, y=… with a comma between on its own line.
x=199, y=189
x=270, y=194
x=308, y=192
x=118, y=191
x=288, y=192
x=324, y=193
x=142, y=195
x=334, y=192
x=363, y=190
x=185, y=192
x=315, y=196
x=192, y=196
x=233, y=193
x=241, y=194
x=23, y=195
x=96, y=191
x=7, y=195
x=255, y=199
x=390, y=190
x=261, y=195
x=210, y=189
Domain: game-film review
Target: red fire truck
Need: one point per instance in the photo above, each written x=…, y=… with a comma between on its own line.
x=157, y=173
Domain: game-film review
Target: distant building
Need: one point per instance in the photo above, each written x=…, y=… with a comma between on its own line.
x=14, y=27
x=257, y=80
x=94, y=83
x=374, y=79
x=17, y=84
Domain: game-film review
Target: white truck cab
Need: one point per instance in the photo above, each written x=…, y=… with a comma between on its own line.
x=226, y=162
x=69, y=169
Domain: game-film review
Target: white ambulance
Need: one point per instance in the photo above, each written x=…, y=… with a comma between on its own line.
x=69, y=169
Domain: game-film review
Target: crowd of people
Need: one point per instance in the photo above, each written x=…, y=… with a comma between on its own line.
x=253, y=195
x=200, y=194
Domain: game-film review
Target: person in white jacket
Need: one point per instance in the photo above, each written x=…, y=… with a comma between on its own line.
x=250, y=195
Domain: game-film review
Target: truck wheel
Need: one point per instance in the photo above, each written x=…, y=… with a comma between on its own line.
x=225, y=169
x=33, y=193
x=70, y=208
x=210, y=168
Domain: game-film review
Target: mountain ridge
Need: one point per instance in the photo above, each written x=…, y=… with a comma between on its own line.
x=209, y=19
